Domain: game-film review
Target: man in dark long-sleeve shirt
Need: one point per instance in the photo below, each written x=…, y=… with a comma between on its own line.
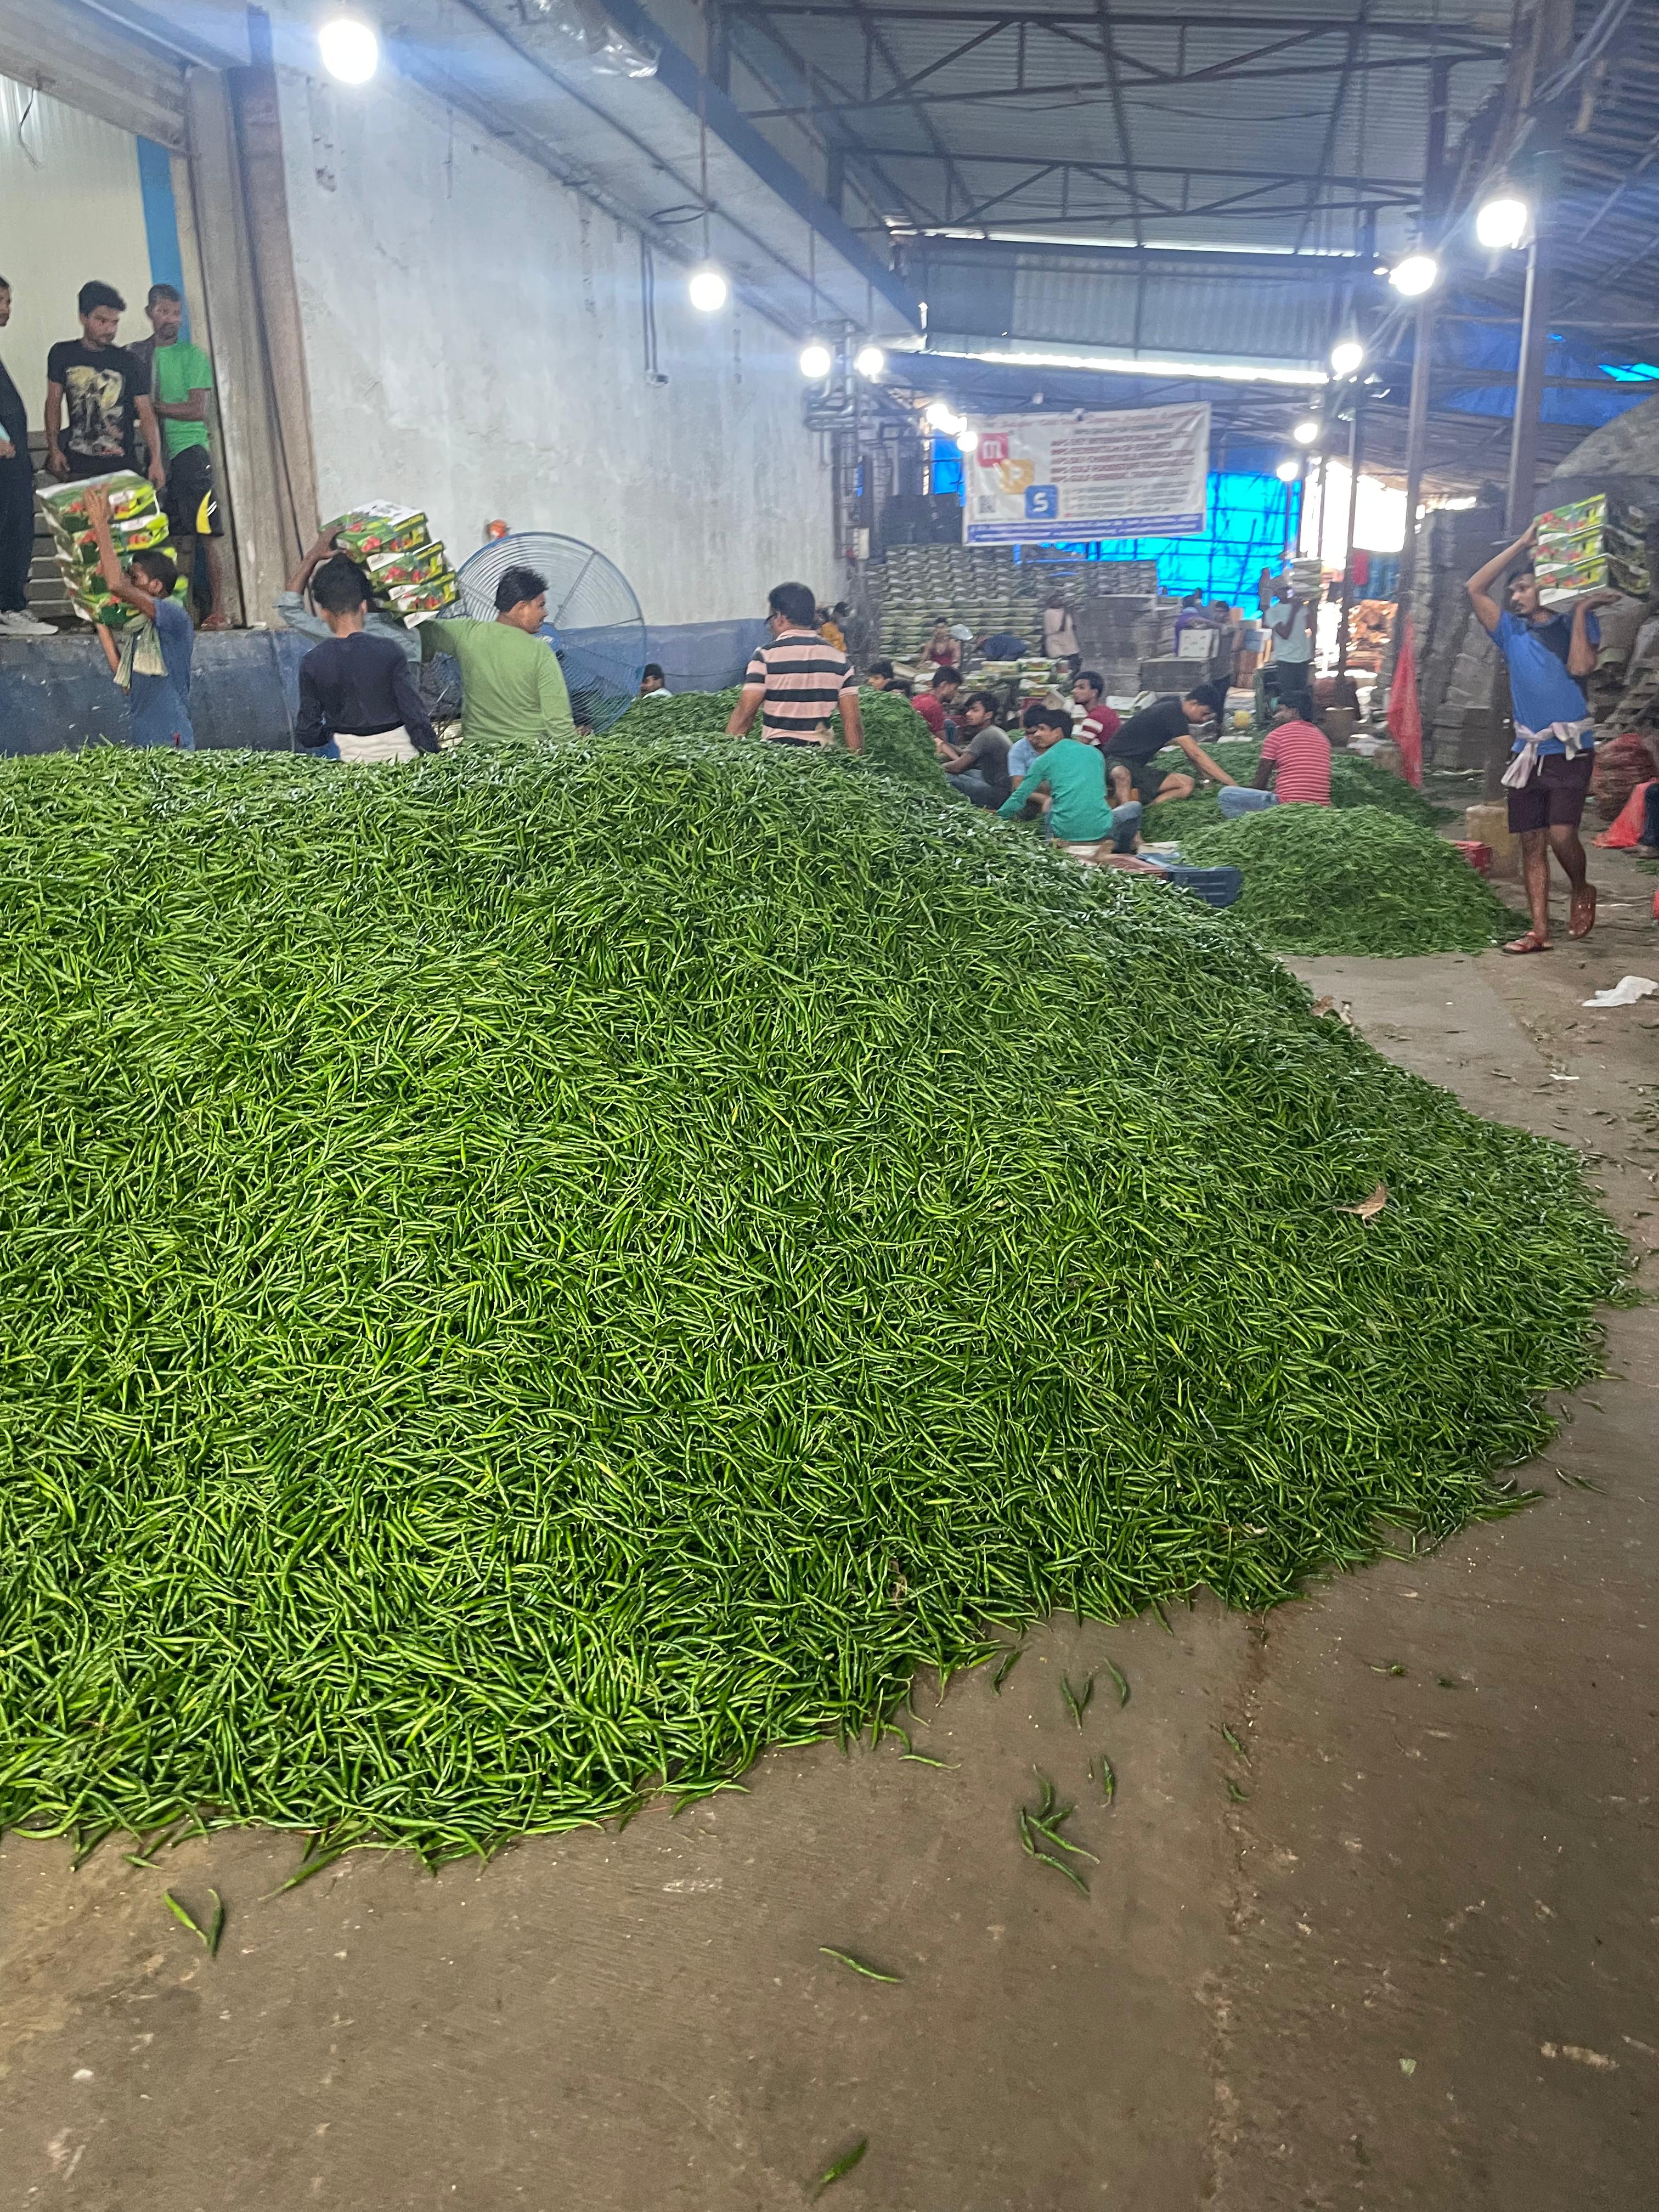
x=358, y=701
x=16, y=503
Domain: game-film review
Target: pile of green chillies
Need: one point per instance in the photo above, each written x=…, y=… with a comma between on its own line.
x=1351, y=880
x=897, y=743
x=527, y=1279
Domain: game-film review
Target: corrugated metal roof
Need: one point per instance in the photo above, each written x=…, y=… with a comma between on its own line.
x=1024, y=93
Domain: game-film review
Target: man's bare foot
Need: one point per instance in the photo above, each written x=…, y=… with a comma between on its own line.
x=1532, y=942
x=214, y=621
x=1582, y=918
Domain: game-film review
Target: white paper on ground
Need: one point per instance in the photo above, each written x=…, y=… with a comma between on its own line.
x=1625, y=993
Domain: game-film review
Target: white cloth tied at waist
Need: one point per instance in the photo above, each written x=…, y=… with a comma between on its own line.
x=1520, y=769
x=378, y=751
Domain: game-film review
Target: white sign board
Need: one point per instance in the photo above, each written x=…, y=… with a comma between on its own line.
x=1135, y=473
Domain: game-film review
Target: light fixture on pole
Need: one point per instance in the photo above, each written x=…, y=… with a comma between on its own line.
x=1501, y=222
x=815, y=360
x=708, y=289
x=349, y=47
x=1288, y=471
x=1305, y=431
x=1347, y=355
x=870, y=360
x=1417, y=273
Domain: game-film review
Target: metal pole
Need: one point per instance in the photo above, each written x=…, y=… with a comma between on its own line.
x=1529, y=381
x=1354, y=445
x=1319, y=513
x=1417, y=439
x=1416, y=416
x=1553, y=30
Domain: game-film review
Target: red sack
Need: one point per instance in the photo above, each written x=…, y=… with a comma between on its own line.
x=1620, y=765
x=1628, y=830
x=1404, y=717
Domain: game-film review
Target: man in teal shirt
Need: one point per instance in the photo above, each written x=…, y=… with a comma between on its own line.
x=512, y=688
x=1081, y=818
x=181, y=385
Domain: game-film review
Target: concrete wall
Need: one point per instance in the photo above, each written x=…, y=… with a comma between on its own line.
x=72, y=209
x=473, y=346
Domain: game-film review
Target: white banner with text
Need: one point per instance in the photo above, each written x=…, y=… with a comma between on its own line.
x=1134, y=472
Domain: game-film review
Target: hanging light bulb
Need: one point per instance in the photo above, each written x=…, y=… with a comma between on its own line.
x=1346, y=355
x=967, y=440
x=815, y=360
x=870, y=360
x=1417, y=274
x=942, y=417
x=1305, y=431
x=350, y=49
x=1288, y=471
x=1501, y=222
x=708, y=289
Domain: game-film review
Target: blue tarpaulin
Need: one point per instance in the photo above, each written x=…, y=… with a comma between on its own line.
x=1250, y=523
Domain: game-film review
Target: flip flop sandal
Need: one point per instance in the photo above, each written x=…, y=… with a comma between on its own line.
x=1588, y=900
x=1530, y=943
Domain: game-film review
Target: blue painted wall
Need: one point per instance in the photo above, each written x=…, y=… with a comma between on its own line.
x=166, y=263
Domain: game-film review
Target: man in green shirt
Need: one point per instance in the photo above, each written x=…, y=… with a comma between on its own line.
x=181, y=385
x=1081, y=818
x=512, y=685
x=1082, y=823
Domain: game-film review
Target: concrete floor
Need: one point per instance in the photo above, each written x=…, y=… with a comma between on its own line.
x=1401, y=1954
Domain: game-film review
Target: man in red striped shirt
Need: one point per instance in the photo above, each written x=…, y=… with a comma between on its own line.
x=1296, y=763
x=795, y=684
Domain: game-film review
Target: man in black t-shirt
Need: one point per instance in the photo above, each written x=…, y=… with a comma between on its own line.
x=1168, y=721
x=357, y=696
x=97, y=398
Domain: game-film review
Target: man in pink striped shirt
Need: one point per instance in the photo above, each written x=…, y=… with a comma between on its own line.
x=1294, y=769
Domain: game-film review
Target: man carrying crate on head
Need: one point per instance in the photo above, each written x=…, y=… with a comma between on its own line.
x=1548, y=776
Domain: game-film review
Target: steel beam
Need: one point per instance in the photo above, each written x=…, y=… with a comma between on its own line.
x=1407, y=188
x=1121, y=124
x=991, y=95
x=1423, y=37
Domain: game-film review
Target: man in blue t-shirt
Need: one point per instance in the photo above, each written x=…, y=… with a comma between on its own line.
x=1548, y=776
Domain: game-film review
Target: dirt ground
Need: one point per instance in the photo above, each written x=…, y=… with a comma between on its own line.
x=1397, y=1950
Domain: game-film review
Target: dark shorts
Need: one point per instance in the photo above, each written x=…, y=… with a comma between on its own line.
x=1148, y=781
x=190, y=501
x=82, y=465
x=1553, y=797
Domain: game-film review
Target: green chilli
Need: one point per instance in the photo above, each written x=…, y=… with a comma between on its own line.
x=845, y=1958
x=843, y=2166
x=208, y=1936
x=531, y=1279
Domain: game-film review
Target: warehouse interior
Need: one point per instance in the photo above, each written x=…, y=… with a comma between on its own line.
x=571, y=1695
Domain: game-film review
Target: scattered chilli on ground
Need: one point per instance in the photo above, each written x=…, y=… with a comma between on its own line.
x=535, y=1276
x=1351, y=880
